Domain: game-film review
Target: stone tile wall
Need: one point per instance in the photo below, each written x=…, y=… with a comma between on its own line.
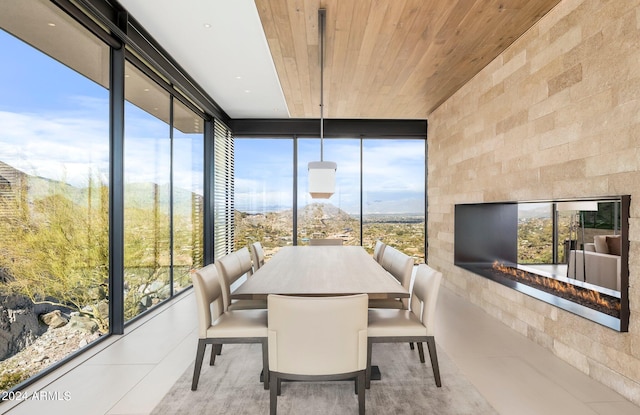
x=557, y=115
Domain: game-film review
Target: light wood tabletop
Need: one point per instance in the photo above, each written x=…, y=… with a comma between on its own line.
x=321, y=271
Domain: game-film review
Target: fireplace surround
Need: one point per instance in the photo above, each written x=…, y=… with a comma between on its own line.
x=486, y=243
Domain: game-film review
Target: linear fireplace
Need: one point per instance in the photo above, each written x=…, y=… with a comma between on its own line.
x=488, y=237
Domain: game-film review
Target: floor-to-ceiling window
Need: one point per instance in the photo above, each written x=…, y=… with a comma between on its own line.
x=264, y=193
x=61, y=210
x=188, y=193
x=147, y=174
x=54, y=189
x=393, y=194
x=388, y=175
x=339, y=216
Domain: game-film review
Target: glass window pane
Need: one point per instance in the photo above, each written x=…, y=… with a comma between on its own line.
x=394, y=195
x=188, y=191
x=147, y=167
x=576, y=228
x=535, y=233
x=264, y=193
x=339, y=216
x=54, y=187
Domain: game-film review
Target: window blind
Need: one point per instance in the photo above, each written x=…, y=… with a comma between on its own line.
x=223, y=197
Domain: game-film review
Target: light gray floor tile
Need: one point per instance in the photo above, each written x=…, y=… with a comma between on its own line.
x=142, y=398
x=90, y=389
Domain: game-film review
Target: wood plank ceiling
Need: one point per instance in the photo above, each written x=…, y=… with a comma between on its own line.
x=388, y=59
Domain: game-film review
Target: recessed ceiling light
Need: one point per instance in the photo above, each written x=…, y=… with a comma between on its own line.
x=51, y=24
x=207, y=26
x=247, y=91
x=238, y=77
x=146, y=90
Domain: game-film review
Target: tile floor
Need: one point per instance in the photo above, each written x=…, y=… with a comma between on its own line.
x=129, y=374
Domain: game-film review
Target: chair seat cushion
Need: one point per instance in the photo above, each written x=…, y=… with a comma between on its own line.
x=248, y=304
x=239, y=323
x=394, y=323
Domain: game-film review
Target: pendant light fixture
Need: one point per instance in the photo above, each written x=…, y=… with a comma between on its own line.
x=322, y=174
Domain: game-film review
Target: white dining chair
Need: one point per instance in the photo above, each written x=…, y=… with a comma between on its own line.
x=414, y=325
x=378, y=250
x=317, y=339
x=217, y=326
x=231, y=268
x=257, y=255
x=400, y=266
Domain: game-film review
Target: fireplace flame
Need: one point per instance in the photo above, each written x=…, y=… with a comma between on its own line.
x=589, y=296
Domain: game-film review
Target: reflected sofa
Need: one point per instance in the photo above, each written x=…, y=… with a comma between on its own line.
x=602, y=262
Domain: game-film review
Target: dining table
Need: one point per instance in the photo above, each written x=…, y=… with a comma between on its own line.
x=321, y=271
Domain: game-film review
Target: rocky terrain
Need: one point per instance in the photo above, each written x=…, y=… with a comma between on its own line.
x=63, y=335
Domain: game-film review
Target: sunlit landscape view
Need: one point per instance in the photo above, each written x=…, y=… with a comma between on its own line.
x=392, y=194
x=55, y=193
x=58, y=204
x=325, y=221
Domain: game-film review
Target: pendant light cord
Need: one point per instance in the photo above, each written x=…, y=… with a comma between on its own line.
x=321, y=23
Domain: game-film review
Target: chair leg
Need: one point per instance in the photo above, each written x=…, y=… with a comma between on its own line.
x=273, y=394
x=421, y=352
x=360, y=380
x=368, y=370
x=198, y=365
x=431, y=344
x=219, y=350
x=265, y=363
x=212, y=360
x=411, y=345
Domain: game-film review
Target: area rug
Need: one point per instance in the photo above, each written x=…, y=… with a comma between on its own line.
x=407, y=386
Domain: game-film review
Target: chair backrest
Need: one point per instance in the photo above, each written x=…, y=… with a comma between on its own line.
x=209, y=301
x=257, y=255
x=317, y=335
x=320, y=242
x=425, y=295
x=378, y=251
x=398, y=264
x=231, y=267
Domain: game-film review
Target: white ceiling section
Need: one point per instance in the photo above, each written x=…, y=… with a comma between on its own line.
x=222, y=46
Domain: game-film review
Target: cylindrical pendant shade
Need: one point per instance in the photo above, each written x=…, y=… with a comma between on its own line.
x=322, y=179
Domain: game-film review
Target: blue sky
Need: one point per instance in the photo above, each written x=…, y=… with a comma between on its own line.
x=393, y=172
x=55, y=124
x=53, y=119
